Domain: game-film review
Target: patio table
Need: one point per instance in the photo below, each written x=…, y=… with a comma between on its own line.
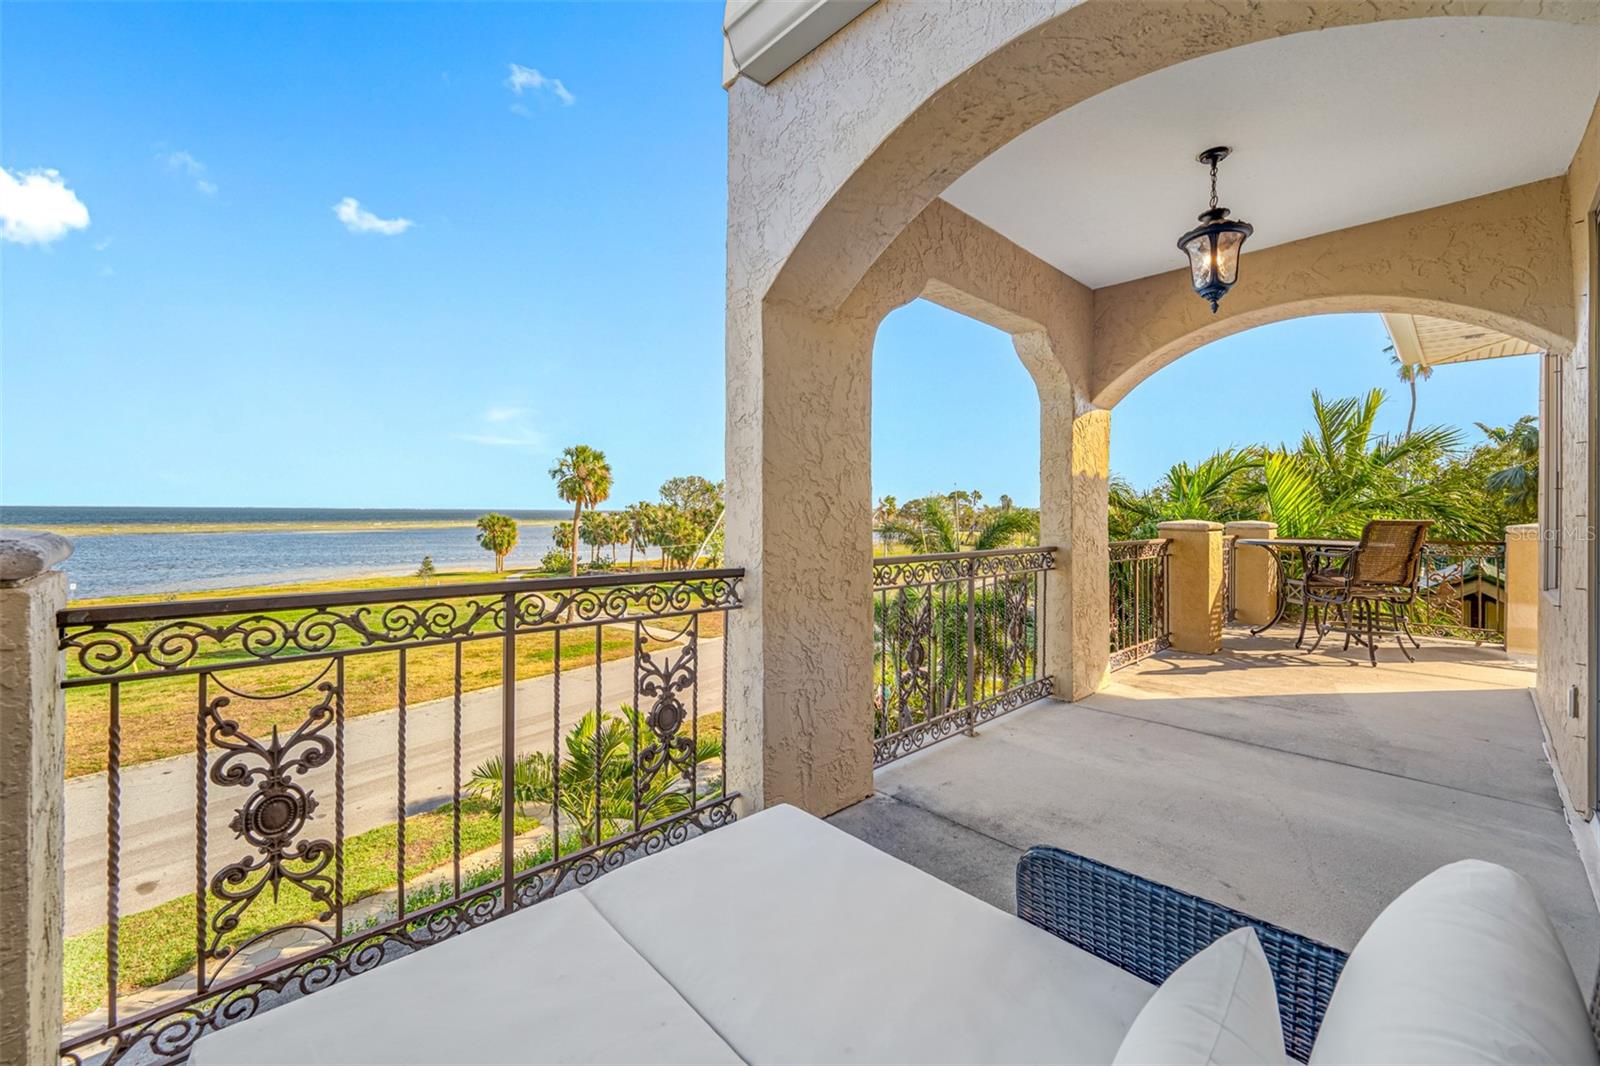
x=1278, y=546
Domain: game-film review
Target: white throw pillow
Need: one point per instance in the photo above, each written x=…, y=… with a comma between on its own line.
x=1463, y=967
x=1218, y=1009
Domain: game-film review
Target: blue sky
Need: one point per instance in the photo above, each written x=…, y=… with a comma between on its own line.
x=399, y=255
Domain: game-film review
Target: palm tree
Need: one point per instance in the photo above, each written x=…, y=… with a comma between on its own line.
x=1518, y=443
x=1213, y=489
x=1409, y=373
x=937, y=530
x=497, y=533
x=583, y=479
x=609, y=759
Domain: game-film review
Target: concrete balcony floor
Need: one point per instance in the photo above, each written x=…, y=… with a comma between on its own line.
x=1308, y=790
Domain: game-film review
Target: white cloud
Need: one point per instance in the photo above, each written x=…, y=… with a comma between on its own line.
x=36, y=207
x=526, y=78
x=506, y=426
x=358, y=219
x=184, y=163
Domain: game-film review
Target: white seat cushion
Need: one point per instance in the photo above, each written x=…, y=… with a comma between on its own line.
x=554, y=983
x=1218, y=1009
x=1463, y=967
x=799, y=943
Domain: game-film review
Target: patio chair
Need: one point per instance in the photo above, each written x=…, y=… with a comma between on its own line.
x=1369, y=587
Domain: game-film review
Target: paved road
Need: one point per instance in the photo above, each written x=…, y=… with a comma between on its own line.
x=158, y=798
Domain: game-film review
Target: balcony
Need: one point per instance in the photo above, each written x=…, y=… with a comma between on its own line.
x=1305, y=789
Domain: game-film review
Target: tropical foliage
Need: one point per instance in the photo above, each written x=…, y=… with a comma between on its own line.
x=952, y=523
x=600, y=774
x=1343, y=473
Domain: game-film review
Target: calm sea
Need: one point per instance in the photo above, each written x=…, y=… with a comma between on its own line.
x=131, y=563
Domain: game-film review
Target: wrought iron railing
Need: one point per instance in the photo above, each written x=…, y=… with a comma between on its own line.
x=1230, y=588
x=957, y=640
x=1139, y=624
x=530, y=736
x=1461, y=591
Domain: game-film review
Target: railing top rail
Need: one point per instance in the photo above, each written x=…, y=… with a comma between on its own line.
x=1152, y=540
x=939, y=557
x=1464, y=544
x=225, y=605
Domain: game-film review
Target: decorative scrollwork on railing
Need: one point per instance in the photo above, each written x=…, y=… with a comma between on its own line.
x=1137, y=588
x=1461, y=591
x=112, y=643
x=273, y=817
x=662, y=683
x=897, y=571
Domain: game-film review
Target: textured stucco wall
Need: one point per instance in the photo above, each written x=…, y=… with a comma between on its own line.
x=828, y=166
x=32, y=770
x=1500, y=261
x=1565, y=620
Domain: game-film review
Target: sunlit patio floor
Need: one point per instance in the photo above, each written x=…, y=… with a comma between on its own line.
x=1307, y=790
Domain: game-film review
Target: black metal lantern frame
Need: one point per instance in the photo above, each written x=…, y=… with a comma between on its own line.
x=1213, y=247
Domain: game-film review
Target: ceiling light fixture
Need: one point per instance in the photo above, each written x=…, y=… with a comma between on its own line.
x=1213, y=247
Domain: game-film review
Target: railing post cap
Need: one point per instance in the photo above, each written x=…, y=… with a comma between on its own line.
x=1253, y=525
x=1190, y=525
x=1527, y=531
x=27, y=553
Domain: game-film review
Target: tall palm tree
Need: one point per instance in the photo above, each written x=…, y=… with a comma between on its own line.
x=1410, y=373
x=937, y=530
x=583, y=479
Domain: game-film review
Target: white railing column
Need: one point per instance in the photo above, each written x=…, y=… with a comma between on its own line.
x=32, y=796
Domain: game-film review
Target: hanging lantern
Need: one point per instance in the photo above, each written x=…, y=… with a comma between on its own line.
x=1213, y=247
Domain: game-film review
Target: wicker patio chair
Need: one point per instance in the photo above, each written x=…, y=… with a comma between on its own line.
x=1368, y=587
x=1149, y=930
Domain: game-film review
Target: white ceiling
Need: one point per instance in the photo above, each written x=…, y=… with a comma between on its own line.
x=1330, y=129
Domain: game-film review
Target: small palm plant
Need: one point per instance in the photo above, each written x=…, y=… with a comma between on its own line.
x=601, y=778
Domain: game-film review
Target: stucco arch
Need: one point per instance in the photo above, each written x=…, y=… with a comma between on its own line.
x=964, y=115
x=1499, y=261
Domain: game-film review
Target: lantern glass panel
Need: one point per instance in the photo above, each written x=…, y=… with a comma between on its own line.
x=1228, y=243
x=1199, y=251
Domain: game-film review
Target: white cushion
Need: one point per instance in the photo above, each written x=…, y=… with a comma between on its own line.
x=799, y=943
x=553, y=983
x=1463, y=967
x=1218, y=1009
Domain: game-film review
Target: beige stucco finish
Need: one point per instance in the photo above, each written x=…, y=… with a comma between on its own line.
x=1522, y=589
x=1500, y=261
x=32, y=819
x=1194, y=584
x=834, y=171
x=1255, y=573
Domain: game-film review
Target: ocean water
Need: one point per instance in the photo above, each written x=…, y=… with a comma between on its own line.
x=134, y=563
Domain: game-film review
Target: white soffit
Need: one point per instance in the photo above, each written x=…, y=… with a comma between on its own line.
x=1420, y=340
x=1330, y=128
x=763, y=38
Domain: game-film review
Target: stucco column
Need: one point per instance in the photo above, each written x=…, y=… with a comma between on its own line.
x=1255, y=573
x=1088, y=559
x=1194, y=584
x=1522, y=589
x=799, y=705
x=32, y=796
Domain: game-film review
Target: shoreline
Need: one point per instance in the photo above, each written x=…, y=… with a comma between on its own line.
x=146, y=528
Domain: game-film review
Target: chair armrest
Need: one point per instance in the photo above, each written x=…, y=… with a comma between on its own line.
x=1331, y=560
x=1149, y=930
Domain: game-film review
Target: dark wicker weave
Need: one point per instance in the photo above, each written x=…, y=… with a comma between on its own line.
x=1150, y=930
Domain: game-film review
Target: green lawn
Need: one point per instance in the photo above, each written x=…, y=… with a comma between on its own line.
x=158, y=944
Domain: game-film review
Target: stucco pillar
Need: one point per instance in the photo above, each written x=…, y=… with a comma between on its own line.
x=1194, y=584
x=32, y=796
x=1255, y=573
x=1089, y=558
x=799, y=707
x=1522, y=589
